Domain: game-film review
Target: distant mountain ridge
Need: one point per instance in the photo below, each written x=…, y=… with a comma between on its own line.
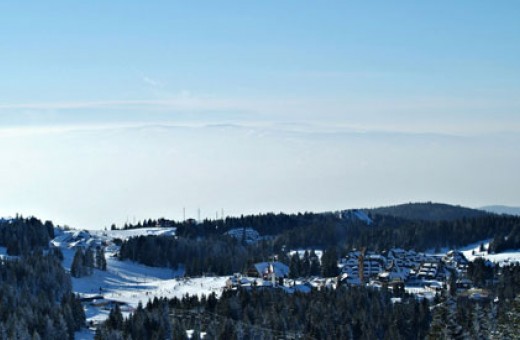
x=502, y=209
x=428, y=211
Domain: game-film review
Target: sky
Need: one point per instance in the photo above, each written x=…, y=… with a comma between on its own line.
x=114, y=112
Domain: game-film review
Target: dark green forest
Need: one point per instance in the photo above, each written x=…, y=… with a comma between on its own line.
x=203, y=248
x=428, y=212
x=24, y=235
x=272, y=314
x=37, y=300
x=211, y=255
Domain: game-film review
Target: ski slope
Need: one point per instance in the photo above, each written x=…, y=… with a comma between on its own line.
x=125, y=282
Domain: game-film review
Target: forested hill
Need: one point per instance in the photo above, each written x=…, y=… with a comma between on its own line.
x=502, y=210
x=24, y=235
x=428, y=212
x=320, y=231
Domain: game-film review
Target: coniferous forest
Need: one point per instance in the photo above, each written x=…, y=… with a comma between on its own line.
x=204, y=248
x=37, y=300
x=271, y=314
x=342, y=313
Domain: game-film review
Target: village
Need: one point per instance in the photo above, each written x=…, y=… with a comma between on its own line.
x=398, y=270
x=424, y=275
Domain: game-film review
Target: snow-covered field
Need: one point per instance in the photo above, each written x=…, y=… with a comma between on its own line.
x=131, y=283
x=66, y=238
x=473, y=251
x=127, y=282
x=125, y=234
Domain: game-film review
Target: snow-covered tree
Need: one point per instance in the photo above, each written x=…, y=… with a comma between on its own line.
x=77, y=268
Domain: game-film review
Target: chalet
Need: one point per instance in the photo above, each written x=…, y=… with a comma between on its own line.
x=238, y=280
x=269, y=270
x=456, y=259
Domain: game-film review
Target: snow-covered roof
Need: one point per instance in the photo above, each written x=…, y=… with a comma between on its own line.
x=280, y=269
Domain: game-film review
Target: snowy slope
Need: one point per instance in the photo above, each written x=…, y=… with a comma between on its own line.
x=361, y=215
x=356, y=214
x=126, y=234
x=130, y=283
x=126, y=282
x=473, y=251
x=69, y=238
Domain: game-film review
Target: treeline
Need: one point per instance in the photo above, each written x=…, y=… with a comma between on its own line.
x=212, y=255
x=265, y=224
x=437, y=228
x=356, y=313
x=23, y=235
x=36, y=299
x=506, y=239
x=222, y=255
x=387, y=232
x=152, y=322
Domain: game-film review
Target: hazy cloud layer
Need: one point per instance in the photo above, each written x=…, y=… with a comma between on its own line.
x=93, y=176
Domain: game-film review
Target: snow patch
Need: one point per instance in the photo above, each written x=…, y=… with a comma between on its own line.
x=473, y=252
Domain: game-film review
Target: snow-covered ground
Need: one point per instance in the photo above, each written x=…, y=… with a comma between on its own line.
x=361, y=215
x=126, y=234
x=68, y=238
x=301, y=252
x=130, y=283
x=420, y=292
x=472, y=252
x=126, y=282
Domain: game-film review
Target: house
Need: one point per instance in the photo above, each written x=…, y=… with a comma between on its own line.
x=269, y=270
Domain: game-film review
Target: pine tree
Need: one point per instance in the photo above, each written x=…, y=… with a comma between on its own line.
x=76, y=269
x=329, y=263
x=101, y=261
x=295, y=266
x=305, y=265
x=315, y=268
x=178, y=331
x=115, y=318
x=89, y=263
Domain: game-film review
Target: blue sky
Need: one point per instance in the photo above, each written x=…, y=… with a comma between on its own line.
x=434, y=84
